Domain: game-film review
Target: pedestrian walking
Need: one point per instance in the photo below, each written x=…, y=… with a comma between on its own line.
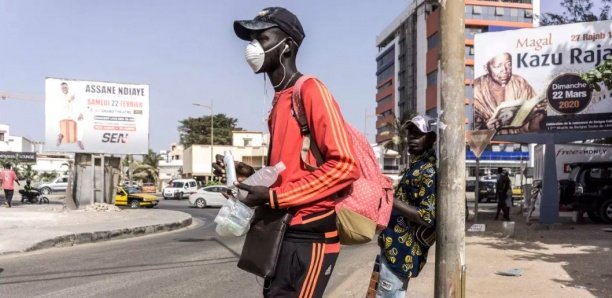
x=8, y=177
x=310, y=245
x=502, y=187
x=405, y=242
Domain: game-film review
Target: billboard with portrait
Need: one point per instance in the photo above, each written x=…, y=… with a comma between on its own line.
x=96, y=117
x=529, y=80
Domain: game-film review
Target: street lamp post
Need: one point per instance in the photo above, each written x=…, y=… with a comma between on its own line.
x=212, y=132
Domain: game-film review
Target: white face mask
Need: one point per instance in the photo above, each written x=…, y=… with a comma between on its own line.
x=256, y=55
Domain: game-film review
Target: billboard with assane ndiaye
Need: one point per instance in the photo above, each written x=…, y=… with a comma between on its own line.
x=96, y=117
x=529, y=80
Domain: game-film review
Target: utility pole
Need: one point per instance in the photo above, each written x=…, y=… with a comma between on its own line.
x=450, y=228
x=212, y=133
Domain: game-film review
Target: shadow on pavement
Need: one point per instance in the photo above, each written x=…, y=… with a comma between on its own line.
x=584, y=251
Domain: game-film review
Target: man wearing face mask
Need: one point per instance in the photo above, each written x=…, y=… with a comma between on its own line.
x=311, y=245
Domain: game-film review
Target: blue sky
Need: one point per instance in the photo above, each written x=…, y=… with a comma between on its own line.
x=187, y=52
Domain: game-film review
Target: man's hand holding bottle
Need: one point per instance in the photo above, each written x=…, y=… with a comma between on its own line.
x=257, y=195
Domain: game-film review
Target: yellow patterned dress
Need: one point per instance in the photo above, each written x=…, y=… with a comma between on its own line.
x=404, y=254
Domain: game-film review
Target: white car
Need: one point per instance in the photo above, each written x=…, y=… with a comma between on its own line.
x=59, y=184
x=180, y=189
x=209, y=196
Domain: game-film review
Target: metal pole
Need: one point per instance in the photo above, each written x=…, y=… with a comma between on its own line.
x=93, y=179
x=450, y=228
x=476, y=190
x=103, y=179
x=212, y=133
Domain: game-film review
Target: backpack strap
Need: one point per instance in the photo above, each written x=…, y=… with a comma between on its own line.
x=299, y=113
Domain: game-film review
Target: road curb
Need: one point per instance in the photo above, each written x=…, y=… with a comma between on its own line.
x=99, y=236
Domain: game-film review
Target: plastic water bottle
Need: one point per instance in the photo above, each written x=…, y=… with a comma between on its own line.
x=234, y=217
x=264, y=177
x=230, y=168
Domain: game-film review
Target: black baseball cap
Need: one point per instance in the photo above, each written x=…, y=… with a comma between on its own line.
x=269, y=18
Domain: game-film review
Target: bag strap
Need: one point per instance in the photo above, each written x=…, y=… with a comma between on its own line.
x=299, y=113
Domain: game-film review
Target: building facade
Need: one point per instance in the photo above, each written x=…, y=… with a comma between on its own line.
x=247, y=146
x=407, y=65
x=171, y=164
x=15, y=143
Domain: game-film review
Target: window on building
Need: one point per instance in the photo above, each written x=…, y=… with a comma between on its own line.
x=385, y=74
x=514, y=12
x=386, y=100
x=469, y=52
x=499, y=11
x=432, y=78
x=477, y=10
x=247, y=142
x=433, y=41
x=468, y=91
x=469, y=32
x=1, y=137
x=528, y=13
x=469, y=72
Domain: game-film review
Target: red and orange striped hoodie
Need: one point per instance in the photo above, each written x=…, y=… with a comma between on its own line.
x=303, y=191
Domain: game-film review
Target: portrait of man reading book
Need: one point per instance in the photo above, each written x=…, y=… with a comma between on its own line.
x=505, y=101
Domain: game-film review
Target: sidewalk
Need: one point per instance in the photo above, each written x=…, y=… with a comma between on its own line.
x=32, y=227
x=565, y=260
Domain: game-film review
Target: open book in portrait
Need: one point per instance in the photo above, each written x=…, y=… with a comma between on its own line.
x=514, y=113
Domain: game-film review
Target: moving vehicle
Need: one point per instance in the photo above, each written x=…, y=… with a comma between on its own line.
x=134, y=199
x=59, y=184
x=180, y=189
x=589, y=188
x=209, y=196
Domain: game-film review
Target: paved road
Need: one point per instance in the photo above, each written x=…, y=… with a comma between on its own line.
x=192, y=262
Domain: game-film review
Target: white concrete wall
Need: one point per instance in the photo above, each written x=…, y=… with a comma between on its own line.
x=51, y=164
x=197, y=160
x=238, y=138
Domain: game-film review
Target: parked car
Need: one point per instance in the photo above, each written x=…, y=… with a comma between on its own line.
x=589, y=187
x=59, y=184
x=209, y=196
x=487, y=191
x=134, y=199
x=180, y=189
x=149, y=187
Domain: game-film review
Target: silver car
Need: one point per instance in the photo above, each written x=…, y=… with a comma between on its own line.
x=209, y=196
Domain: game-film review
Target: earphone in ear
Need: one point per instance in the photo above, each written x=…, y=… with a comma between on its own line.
x=286, y=46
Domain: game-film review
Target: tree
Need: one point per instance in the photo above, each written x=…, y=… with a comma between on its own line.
x=151, y=159
x=601, y=74
x=577, y=11
x=149, y=169
x=197, y=130
x=399, y=141
x=129, y=162
x=47, y=176
x=27, y=172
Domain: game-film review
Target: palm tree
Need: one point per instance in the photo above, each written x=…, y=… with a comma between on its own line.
x=399, y=141
x=130, y=163
x=149, y=169
x=152, y=159
x=47, y=176
x=27, y=172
